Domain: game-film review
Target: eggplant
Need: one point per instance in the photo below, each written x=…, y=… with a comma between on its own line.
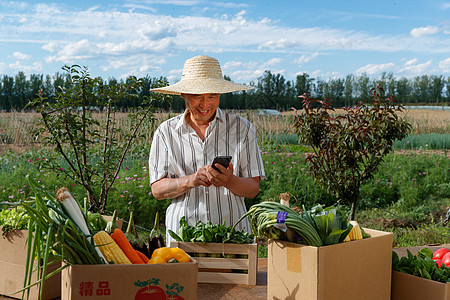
x=132, y=236
x=155, y=239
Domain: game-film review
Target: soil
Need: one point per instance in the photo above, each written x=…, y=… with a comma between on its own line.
x=437, y=217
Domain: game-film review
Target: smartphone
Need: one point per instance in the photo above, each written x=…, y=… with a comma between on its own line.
x=223, y=160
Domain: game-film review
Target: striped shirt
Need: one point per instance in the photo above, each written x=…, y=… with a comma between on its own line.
x=177, y=151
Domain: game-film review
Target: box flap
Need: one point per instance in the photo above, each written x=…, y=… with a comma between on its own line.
x=405, y=286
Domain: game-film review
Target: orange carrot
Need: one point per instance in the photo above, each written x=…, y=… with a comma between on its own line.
x=121, y=240
x=142, y=256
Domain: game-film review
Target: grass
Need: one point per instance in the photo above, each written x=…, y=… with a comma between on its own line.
x=426, y=141
x=412, y=187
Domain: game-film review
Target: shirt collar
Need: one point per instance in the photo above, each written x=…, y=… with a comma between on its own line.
x=220, y=116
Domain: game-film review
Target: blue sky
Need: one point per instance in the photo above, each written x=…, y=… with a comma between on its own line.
x=326, y=39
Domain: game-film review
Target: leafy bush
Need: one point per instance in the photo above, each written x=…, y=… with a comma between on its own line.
x=348, y=148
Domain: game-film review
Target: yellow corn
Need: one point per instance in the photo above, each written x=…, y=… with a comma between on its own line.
x=109, y=248
x=355, y=233
x=347, y=238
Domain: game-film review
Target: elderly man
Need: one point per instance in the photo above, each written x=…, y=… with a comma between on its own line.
x=184, y=147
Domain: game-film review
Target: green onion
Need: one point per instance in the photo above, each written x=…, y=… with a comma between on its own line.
x=56, y=232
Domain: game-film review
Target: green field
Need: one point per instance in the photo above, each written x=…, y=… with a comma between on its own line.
x=409, y=195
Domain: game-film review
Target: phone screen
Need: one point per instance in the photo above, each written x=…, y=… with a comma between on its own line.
x=223, y=160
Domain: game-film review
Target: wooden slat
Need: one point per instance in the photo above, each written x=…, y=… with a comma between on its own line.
x=214, y=247
x=222, y=263
x=253, y=265
x=220, y=270
x=229, y=278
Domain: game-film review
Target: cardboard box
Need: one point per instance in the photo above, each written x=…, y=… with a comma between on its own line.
x=13, y=255
x=119, y=282
x=118, y=221
x=352, y=270
x=405, y=286
x=220, y=268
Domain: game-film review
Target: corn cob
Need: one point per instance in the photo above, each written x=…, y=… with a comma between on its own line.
x=355, y=233
x=110, y=249
x=347, y=238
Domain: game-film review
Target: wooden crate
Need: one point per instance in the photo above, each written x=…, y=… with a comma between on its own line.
x=220, y=268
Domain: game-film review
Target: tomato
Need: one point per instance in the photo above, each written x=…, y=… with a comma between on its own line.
x=446, y=259
x=155, y=293
x=439, y=262
x=439, y=253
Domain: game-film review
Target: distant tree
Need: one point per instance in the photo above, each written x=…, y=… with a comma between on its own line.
x=403, y=88
x=421, y=88
x=348, y=90
x=447, y=89
x=7, y=93
x=270, y=89
x=291, y=95
x=59, y=81
x=36, y=84
x=47, y=88
x=436, y=87
x=303, y=84
x=386, y=84
x=20, y=91
x=363, y=87
x=319, y=88
x=336, y=91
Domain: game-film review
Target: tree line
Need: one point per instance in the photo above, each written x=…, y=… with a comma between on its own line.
x=271, y=91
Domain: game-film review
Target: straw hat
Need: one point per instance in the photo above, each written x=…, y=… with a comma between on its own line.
x=202, y=75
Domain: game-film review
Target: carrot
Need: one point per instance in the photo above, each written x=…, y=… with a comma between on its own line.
x=142, y=256
x=121, y=240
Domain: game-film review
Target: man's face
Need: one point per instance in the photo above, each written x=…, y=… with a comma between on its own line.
x=202, y=107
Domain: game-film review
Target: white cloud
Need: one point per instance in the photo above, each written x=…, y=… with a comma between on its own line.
x=372, y=69
x=416, y=69
x=50, y=47
x=278, y=44
x=424, y=31
x=249, y=71
x=272, y=62
x=306, y=58
x=411, y=62
x=17, y=66
x=72, y=52
x=444, y=65
x=21, y=56
x=446, y=5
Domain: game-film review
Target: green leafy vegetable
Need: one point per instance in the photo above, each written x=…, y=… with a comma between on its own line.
x=421, y=265
x=210, y=233
x=13, y=218
x=331, y=224
x=318, y=227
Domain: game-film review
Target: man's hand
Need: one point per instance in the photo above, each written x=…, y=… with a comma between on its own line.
x=240, y=186
x=169, y=188
x=201, y=177
x=217, y=179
